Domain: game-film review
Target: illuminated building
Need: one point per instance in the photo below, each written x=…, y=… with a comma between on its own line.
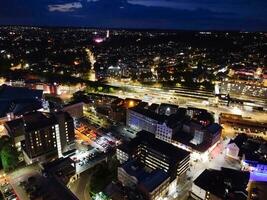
x=221, y=184
x=41, y=136
x=167, y=109
x=114, y=71
x=170, y=126
x=154, y=166
x=153, y=184
x=251, y=152
x=108, y=34
x=155, y=154
x=197, y=138
x=140, y=118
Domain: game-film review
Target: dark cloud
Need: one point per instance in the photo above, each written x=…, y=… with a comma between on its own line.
x=165, y=14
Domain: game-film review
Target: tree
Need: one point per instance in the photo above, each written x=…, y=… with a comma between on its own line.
x=100, y=89
x=104, y=174
x=9, y=157
x=8, y=153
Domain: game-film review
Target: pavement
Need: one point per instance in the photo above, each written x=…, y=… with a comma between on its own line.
x=80, y=187
x=216, y=160
x=20, y=175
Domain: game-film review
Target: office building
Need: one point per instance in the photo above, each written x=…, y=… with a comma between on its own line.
x=140, y=118
x=153, y=166
x=155, y=154
x=42, y=136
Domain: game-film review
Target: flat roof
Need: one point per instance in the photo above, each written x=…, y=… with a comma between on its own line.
x=253, y=149
x=174, y=153
x=218, y=182
x=148, y=113
x=150, y=180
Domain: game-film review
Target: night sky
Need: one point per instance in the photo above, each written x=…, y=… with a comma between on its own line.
x=244, y=15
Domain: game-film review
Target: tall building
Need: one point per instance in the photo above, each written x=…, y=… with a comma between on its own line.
x=108, y=34
x=41, y=136
x=155, y=154
x=153, y=166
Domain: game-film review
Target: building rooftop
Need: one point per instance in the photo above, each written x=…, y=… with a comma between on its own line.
x=148, y=113
x=253, y=149
x=149, y=179
x=175, y=119
x=19, y=100
x=225, y=183
x=11, y=93
x=153, y=107
x=57, y=174
x=37, y=120
x=143, y=137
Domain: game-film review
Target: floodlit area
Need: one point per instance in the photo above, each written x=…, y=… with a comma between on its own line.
x=92, y=145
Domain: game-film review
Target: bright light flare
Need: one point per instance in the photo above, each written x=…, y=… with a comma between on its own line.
x=237, y=111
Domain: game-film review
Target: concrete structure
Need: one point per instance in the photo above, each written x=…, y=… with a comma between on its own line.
x=152, y=165
x=156, y=154
x=41, y=136
x=140, y=118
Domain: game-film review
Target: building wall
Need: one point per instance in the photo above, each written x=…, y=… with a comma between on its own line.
x=183, y=166
x=158, y=193
x=232, y=150
x=125, y=178
x=40, y=141
x=164, y=132
x=65, y=135
x=74, y=110
x=140, y=122
x=121, y=156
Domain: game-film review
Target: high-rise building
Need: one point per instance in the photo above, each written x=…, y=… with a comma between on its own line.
x=155, y=167
x=155, y=154
x=41, y=136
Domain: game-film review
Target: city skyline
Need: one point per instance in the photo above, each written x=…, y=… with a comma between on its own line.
x=133, y=100
x=138, y=14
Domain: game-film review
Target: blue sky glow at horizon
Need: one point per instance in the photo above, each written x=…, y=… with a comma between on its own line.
x=244, y=15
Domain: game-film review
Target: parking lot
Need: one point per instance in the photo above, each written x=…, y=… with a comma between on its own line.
x=92, y=145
